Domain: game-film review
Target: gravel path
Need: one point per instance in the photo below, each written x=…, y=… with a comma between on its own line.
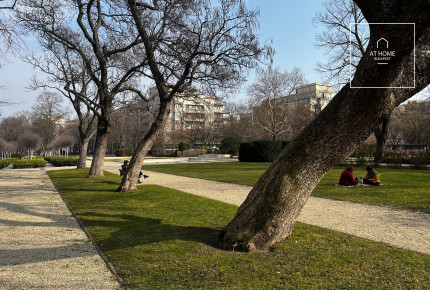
x=400, y=228
x=41, y=243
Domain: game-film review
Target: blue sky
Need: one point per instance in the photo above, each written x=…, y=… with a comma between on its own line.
x=288, y=23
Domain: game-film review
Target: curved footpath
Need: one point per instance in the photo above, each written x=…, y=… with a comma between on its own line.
x=41, y=243
x=400, y=228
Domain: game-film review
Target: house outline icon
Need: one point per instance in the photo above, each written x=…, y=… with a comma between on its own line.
x=377, y=43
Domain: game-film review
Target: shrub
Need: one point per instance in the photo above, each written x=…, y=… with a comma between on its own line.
x=6, y=162
x=17, y=155
x=361, y=162
x=122, y=152
x=191, y=153
x=230, y=146
x=61, y=161
x=260, y=151
x=393, y=159
x=209, y=150
x=364, y=150
x=184, y=146
x=25, y=163
x=420, y=162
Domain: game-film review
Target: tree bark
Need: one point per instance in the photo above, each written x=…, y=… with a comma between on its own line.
x=273, y=205
x=97, y=165
x=130, y=178
x=381, y=137
x=82, y=162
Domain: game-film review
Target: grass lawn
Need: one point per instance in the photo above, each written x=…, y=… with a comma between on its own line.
x=161, y=238
x=402, y=188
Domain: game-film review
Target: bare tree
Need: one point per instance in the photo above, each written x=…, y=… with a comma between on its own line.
x=9, y=37
x=7, y=148
x=269, y=98
x=67, y=74
x=190, y=41
x=239, y=124
x=345, y=40
x=30, y=141
x=61, y=142
x=47, y=115
x=414, y=123
x=98, y=32
x=271, y=208
x=10, y=40
x=12, y=127
x=343, y=31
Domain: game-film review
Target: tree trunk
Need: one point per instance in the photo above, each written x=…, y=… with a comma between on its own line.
x=103, y=125
x=269, y=212
x=381, y=136
x=130, y=178
x=82, y=162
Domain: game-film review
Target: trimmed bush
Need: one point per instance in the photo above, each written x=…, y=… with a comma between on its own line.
x=122, y=152
x=25, y=163
x=420, y=162
x=6, y=162
x=184, y=146
x=61, y=161
x=260, y=151
x=230, y=146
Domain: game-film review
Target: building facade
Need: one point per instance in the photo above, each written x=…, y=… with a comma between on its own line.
x=194, y=118
x=315, y=96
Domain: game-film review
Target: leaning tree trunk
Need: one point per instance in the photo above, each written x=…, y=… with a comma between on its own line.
x=269, y=212
x=130, y=178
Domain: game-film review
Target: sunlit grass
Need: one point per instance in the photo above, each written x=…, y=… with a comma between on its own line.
x=402, y=188
x=161, y=238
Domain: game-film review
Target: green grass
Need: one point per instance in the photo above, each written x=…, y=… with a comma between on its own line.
x=402, y=188
x=165, y=239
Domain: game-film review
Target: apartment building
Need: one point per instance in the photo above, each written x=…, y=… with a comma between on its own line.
x=315, y=96
x=197, y=114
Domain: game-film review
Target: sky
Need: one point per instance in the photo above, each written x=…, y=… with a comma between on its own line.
x=287, y=23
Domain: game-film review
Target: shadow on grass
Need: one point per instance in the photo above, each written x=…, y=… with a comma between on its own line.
x=131, y=230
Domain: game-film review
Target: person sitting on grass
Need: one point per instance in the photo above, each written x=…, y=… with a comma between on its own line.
x=124, y=169
x=372, y=177
x=347, y=179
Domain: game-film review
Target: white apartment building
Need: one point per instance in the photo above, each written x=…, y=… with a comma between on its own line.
x=315, y=95
x=194, y=111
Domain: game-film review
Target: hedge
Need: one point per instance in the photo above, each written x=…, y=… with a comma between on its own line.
x=122, y=152
x=25, y=163
x=61, y=161
x=260, y=151
x=230, y=146
x=6, y=162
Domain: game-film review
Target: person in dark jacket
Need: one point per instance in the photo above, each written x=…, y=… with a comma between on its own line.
x=346, y=178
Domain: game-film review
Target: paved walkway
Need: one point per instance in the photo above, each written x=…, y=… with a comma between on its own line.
x=400, y=228
x=41, y=243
